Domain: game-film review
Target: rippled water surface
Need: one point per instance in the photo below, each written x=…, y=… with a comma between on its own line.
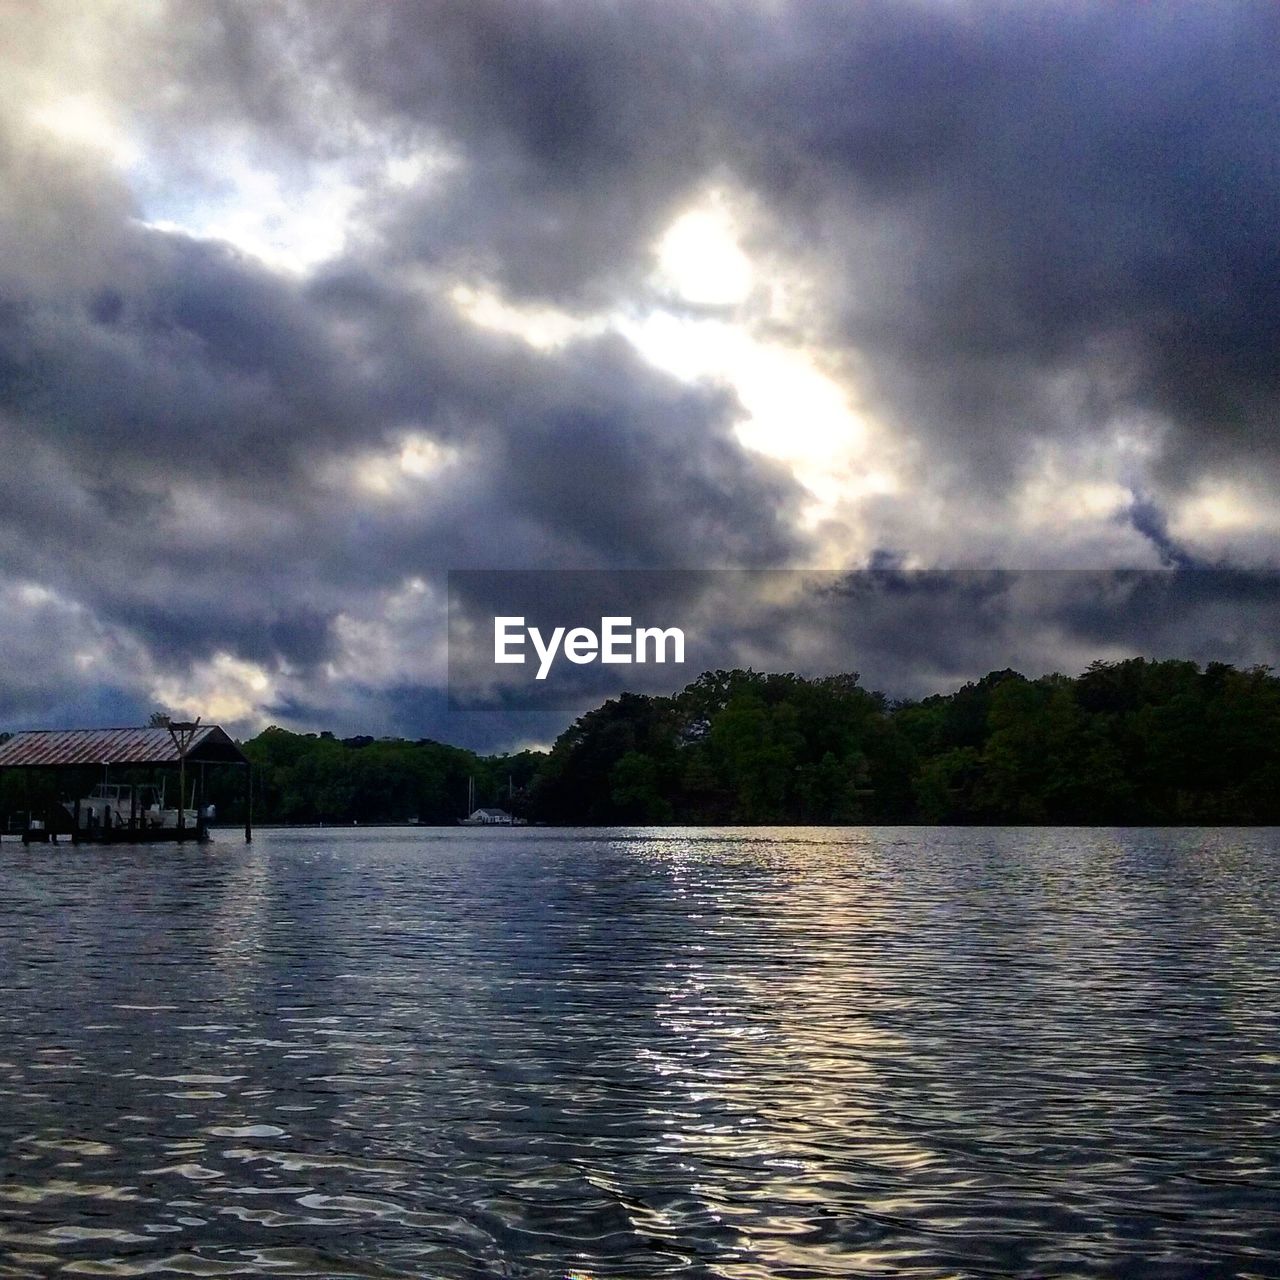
x=701, y=1053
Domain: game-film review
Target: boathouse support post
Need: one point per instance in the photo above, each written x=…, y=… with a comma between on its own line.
x=202, y=823
x=248, y=804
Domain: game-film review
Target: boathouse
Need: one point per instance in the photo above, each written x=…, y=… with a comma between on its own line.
x=124, y=785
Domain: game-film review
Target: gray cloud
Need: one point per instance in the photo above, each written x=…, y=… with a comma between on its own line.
x=908, y=633
x=998, y=196
x=1018, y=226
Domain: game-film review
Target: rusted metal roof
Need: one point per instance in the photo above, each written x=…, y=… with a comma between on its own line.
x=54, y=748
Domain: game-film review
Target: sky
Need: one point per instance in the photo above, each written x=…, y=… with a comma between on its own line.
x=304, y=305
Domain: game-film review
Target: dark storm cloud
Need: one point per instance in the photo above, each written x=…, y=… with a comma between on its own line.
x=580, y=128
x=201, y=373
x=1085, y=190
x=1020, y=223
x=1150, y=521
x=1030, y=220
x=1000, y=197
x=908, y=633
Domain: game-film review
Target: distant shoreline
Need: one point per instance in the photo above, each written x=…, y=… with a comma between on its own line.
x=762, y=826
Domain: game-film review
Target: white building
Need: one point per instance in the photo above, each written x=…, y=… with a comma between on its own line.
x=489, y=818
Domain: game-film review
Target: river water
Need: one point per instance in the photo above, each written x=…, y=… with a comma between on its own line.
x=733, y=1053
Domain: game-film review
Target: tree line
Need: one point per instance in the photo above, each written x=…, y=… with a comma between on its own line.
x=1127, y=742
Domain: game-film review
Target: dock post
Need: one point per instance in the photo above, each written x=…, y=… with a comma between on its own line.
x=202, y=823
x=248, y=804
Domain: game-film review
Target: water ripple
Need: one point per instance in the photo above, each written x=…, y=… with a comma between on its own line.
x=735, y=1054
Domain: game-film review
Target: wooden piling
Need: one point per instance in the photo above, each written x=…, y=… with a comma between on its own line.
x=248, y=804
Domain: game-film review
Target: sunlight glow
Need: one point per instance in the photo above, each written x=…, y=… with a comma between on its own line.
x=295, y=220
x=389, y=474
x=33, y=594
x=700, y=260
x=80, y=121
x=794, y=410
x=543, y=328
x=1052, y=497
x=287, y=229
x=1221, y=507
x=225, y=689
